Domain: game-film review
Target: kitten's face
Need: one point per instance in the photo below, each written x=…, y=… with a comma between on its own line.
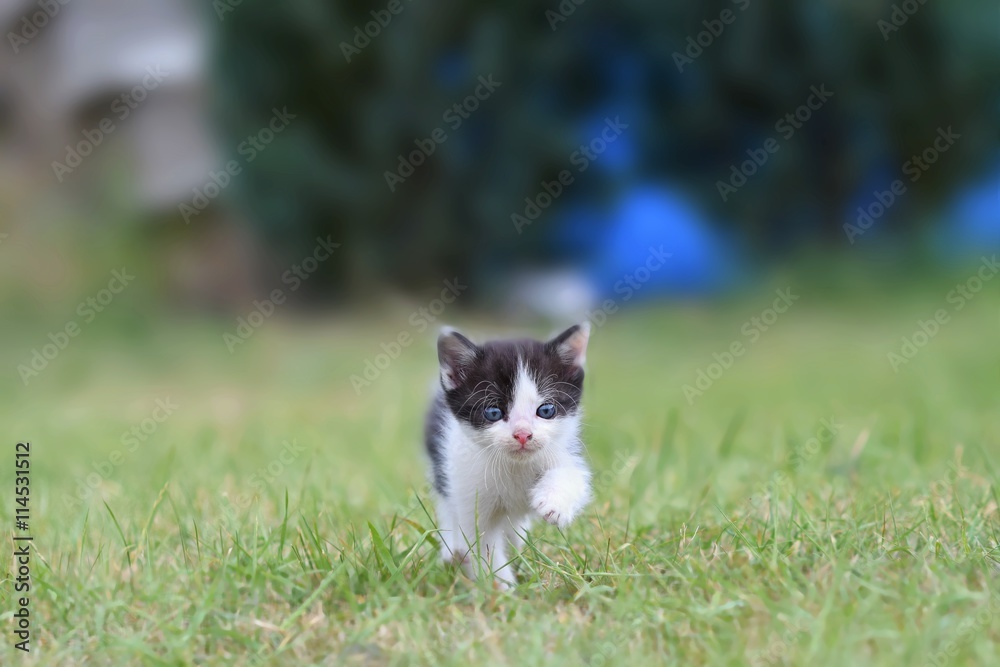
x=521, y=396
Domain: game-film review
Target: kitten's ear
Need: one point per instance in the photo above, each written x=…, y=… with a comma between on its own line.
x=455, y=353
x=571, y=344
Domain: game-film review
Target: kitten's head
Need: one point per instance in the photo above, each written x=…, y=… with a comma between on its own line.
x=519, y=396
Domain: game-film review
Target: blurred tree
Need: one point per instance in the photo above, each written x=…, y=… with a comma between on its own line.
x=361, y=101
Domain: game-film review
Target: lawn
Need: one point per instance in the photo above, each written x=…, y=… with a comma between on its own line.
x=813, y=506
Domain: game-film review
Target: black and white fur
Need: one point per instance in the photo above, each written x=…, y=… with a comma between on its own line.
x=493, y=477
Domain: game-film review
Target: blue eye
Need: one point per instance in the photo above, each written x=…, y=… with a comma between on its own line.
x=547, y=411
x=492, y=414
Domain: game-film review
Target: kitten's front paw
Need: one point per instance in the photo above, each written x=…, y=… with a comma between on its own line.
x=553, y=506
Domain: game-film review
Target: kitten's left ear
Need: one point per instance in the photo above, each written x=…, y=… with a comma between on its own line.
x=571, y=344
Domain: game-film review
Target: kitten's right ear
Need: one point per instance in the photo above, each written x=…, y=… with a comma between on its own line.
x=571, y=344
x=455, y=353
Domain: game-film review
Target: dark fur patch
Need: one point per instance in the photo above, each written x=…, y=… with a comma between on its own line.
x=432, y=440
x=488, y=379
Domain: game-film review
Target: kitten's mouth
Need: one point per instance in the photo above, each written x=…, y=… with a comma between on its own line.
x=522, y=452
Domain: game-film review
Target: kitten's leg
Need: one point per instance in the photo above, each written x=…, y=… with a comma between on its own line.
x=495, y=550
x=452, y=545
x=488, y=554
x=562, y=493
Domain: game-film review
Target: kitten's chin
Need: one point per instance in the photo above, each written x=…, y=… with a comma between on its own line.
x=523, y=453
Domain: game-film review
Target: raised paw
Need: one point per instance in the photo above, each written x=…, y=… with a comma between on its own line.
x=553, y=507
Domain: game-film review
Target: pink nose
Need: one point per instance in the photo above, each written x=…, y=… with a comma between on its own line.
x=522, y=436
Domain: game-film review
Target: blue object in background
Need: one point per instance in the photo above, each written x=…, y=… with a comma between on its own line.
x=649, y=216
x=972, y=219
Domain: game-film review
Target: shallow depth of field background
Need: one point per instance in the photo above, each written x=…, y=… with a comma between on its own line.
x=227, y=465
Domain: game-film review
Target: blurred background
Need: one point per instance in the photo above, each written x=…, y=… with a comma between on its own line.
x=212, y=144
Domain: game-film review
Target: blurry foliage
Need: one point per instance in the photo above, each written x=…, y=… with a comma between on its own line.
x=326, y=174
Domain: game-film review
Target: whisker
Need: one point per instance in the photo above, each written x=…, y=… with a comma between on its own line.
x=475, y=390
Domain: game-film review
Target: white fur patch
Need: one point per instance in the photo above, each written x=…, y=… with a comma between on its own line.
x=526, y=401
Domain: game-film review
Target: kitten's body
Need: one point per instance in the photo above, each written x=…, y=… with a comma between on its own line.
x=492, y=476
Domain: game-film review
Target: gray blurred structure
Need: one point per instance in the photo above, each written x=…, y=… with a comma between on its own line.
x=104, y=114
x=66, y=69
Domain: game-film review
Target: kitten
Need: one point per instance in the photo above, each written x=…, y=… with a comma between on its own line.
x=503, y=439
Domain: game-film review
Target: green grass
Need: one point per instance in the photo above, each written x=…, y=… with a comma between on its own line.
x=732, y=531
